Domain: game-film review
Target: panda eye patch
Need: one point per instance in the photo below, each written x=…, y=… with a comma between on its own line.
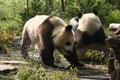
x=68, y=43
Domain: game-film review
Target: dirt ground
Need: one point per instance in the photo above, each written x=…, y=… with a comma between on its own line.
x=10, y=62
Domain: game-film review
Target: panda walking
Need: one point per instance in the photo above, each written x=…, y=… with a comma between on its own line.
x=49, y=33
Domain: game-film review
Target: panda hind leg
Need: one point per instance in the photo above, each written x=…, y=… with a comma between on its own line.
x=25, y=44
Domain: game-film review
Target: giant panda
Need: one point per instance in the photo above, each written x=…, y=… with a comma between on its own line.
x=74, y=23
x=89, y=30
x=48, y=33
x=88, y=34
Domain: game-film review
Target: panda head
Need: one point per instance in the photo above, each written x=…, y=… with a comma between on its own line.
x=64, y=41
x=74, y=23
x=89, y=23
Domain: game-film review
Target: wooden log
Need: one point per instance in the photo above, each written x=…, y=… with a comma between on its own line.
x=118, y=71
x=117, y=53
x=114, y=73
x=114, y=26
x=117, y=32
x=113, y=41
x=111, y=69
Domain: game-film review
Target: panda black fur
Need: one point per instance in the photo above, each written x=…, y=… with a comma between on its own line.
x=89, y=30
x=48, y=33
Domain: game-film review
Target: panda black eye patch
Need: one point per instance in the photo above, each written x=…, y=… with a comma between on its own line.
x=68, y=43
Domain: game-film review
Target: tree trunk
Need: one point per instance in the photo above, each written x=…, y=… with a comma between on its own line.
x=114, y=73
x=62, y=5
x=27, y=9
x=111, y=69
x=118, y=71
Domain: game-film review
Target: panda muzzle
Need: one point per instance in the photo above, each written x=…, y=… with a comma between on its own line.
x=67, y=52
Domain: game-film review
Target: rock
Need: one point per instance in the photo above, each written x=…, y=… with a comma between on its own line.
x=16, y=43
x=13, y=62
x=95, y=77
x=6, y=69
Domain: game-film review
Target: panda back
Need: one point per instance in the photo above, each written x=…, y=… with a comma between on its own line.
x=36, y=21
x=58, y=23
x=89, y=23
x=31, y=26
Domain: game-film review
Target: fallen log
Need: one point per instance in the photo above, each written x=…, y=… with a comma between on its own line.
x=6, y=69
x=113, y=42
x=114, y=26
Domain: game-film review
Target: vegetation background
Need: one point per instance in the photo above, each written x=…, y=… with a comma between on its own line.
x=14, y=13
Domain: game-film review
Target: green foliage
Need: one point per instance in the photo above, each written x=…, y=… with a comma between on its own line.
x=10, y=18
x=107, y=31
x=114, y=16
x=14, y=13
x=39, y=73
x=72, y=7
x=6, y=37
x=97, y=56
x=94, y=54
x=5, y=78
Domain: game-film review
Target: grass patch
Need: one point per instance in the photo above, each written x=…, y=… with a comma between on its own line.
x=2, y=77
x=35, y=71
x=39, y=73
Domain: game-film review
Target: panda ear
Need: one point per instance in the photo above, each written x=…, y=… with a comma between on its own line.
x=95, y=12
x=79, y=14
x=68, y=28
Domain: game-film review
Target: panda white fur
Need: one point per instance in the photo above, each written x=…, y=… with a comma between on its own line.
x=89, y=23
x=48, y=33
x=74, y=22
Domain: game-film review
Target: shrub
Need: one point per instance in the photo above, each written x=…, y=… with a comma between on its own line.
x=40, y=73
x=6, y=40
x=114, y=17
x=5, y=78
x=97, y=56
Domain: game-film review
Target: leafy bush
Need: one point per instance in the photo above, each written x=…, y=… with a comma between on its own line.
x=114, y=17
x=6, y=37
x=5, y=78
x=13, y=15
x=97, y=56
x=10, y=17
x=40, y=73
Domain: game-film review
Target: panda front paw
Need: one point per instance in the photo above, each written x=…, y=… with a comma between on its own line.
x=25, y=56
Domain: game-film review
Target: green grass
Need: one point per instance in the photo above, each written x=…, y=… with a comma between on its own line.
x=2, y=77
x=108, y=32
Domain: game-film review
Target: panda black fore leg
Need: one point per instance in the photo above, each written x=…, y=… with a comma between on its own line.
x=47, y=53
x=25, y=44
x=73, y=60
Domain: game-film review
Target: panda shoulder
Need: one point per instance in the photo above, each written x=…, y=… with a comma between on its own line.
x=57, y=21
